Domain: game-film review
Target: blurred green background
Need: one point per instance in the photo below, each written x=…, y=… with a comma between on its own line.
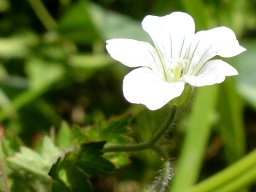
x=54, y=68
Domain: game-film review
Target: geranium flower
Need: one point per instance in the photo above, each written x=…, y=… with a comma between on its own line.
x=178, y=56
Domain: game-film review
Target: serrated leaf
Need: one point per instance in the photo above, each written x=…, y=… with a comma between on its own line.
x=64, y=136
x=33, y=162
x=91, y=161
x=113, y=131
x=49, y=151
x=75, y=168
x=30, y=161
x=68, y=177
x=69, y=136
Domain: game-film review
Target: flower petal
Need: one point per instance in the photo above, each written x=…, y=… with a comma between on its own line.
x=213, y=72
x=132, y=53
x=171, y=34
x=143, y=86
x=207, y=44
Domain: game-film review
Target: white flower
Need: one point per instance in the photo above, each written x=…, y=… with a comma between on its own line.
x=179, y=56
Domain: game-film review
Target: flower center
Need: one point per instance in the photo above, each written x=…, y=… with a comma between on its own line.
x=177, y=67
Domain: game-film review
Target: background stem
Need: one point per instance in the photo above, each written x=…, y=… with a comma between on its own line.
x=196, y=140
x=43, y=14
x=3, y=164
x=233, y=177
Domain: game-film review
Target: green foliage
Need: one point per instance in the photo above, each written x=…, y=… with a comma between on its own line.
x=34, y=163
x=72, y=163
x=37, y=163
x=232, y=128
x=113, y=131
x=246, y=81
x=114, y=25
x=74, y=169
x=76, y=24
x=189, y=158
x=56, y=79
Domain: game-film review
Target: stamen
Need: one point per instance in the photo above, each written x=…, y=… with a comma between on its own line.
x=177, y=68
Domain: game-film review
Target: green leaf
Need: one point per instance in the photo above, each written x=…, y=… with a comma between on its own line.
x=4, y=5
x=91, y=160
x=113, y=131
x=58, y=186
x=76, y=24
x=64, y=136
x=32, y=162
x=68, y=177
x=37, y=68
x=4, y=100
x=246, y=80
x=231, y=116
x=16, y=47
x=118, y=159
x=10, y=142
x=114, y=25
x=196, y=139
x=76, y=167
x=39, y=84
x=68, y=136
x=233, y=178
x=88, y=62
x=49, y=151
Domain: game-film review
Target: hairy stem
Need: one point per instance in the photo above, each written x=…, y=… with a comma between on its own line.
x=151, y=143
x=162, y=181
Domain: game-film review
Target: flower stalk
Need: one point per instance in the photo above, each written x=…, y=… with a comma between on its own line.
x=151, y=143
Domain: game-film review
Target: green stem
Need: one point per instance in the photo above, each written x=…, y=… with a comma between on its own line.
x=20, y=101
x=238, y=174
x=150, y=144
x=43, y=14
x=127, y=148
x=168, y=124
x=195, y=141
x=240, y=183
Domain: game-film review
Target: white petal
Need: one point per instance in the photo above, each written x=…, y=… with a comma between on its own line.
x=132, y=53
x=143, y=86
x=171, y=34
x=207, y=44
x=213, y=72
